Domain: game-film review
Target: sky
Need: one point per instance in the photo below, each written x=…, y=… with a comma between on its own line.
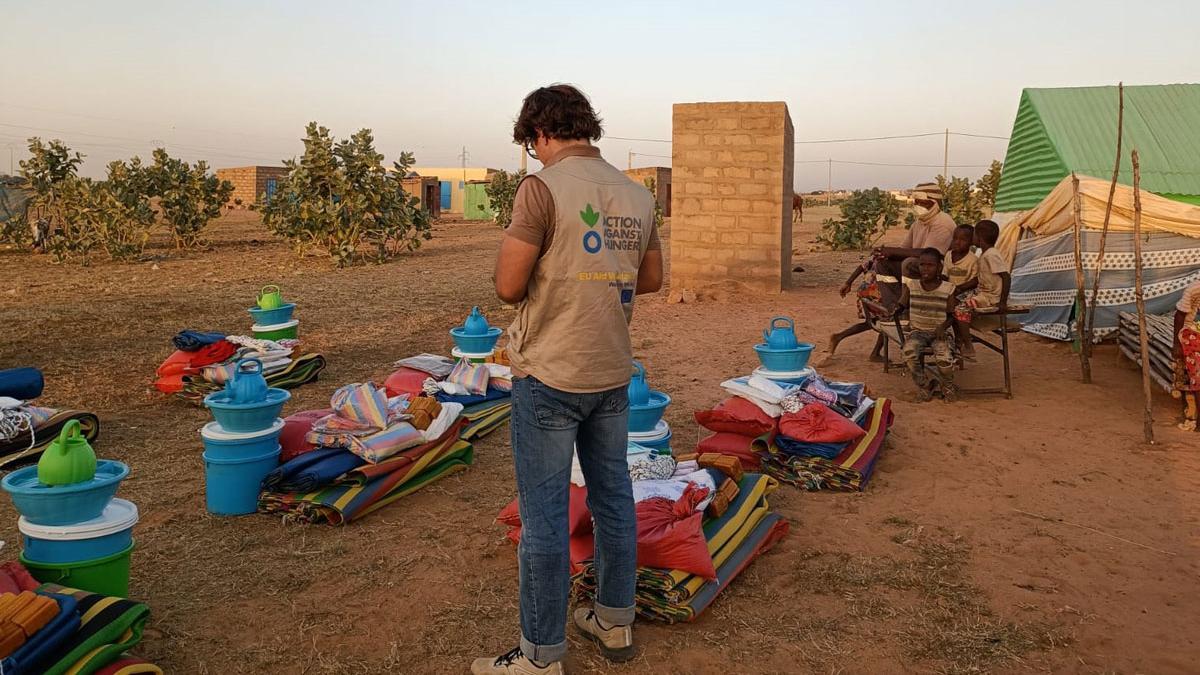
x=234, y=83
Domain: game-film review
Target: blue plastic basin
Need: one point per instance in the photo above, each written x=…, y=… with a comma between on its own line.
x=643, y=418
x=247, y=417
x=271, y=317
x=220, y=443
x=64, y=504
x=785, y=360
x=476, y=344
x=231, y=486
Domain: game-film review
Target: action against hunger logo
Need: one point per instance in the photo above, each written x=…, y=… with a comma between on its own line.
x=621, y=233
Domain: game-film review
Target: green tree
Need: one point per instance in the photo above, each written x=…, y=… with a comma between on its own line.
x=652, y=186
x=189, y=198
x=960, y=202
x=339, y=197
x=987, y=186
x=866, y=215
x=502, y=192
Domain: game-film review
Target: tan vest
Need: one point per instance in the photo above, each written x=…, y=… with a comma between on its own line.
x=572, y=329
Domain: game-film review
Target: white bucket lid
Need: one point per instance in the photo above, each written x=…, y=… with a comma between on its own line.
x=119, y=515
x=659, y=432
x=213, y=431
x=277, y=326
x=784, y=374
x=458, y=353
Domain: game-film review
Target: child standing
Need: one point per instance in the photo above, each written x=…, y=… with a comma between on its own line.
x=990, y=288
x=930, y=303
x=960, y=268
x=867, y=290
x=1186, y=353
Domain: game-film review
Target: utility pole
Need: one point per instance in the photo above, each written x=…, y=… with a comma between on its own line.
x=946, y=158
x=463, y=157
x=524, y=160
x=10, y=160
x=829, y=191
x=630, y=160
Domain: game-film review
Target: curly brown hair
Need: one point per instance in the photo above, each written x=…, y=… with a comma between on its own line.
x=559, y=111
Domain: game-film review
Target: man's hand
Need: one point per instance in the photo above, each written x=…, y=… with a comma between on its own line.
x=844, y=290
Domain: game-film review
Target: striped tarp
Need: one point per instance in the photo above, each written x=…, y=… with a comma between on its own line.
x=1043, y=277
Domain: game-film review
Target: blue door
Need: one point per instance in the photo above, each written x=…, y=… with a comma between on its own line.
x=270, y=189
x=445, y=195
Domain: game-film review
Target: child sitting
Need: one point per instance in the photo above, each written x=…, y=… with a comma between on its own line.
x=1185, y=351
x=990, y=288
x=960, y=268
x=930, y=303
x=869, y=291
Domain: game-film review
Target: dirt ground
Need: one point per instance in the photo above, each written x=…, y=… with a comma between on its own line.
x=1032, y=534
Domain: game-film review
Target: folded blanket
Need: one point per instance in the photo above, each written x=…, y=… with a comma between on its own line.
x=108, y=627
x=191, y=340
x=792, y=446
x=312, y=470
x=44, y=647
x=48, y=422
x=23, y=384
x=470, y=400
x=303, y=369
x=849, y=470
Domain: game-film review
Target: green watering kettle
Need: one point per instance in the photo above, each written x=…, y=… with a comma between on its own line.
x=69, y=459
x=270, y=297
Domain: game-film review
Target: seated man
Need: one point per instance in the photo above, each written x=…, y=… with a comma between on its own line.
x=989, y=290
x=930, y=303
x=1185, y=349
x=934, y=228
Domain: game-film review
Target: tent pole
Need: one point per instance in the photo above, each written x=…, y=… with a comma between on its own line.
x=1080, y=300
x=1112, y=190
x=1143, y=336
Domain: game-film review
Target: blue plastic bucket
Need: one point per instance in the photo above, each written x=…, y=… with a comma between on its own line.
x=64, y=504
x=231, y=486
x=222, y=444
x=100, y=537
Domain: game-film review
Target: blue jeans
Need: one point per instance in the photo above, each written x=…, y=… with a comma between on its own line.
x=546, y=425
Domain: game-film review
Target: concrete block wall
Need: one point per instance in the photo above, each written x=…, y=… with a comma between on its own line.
x=662, y=182
x=732, y=195
x=250, y=182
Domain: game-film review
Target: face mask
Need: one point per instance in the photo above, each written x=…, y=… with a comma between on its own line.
x=922, y=210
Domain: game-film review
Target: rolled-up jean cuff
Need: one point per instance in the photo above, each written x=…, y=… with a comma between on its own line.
x=613, y=616
x=543, y=654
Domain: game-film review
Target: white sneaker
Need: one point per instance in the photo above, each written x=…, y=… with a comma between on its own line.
x=616, y=643
x=513, y=663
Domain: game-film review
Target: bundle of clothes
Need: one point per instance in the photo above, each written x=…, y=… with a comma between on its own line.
x=484, y=390
x=813, y=433
x=55, y=630
x=202, y=362
x=365, y=451
x=700, y=521
x=26, y=430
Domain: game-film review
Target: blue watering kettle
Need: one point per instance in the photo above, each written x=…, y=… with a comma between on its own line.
x=247, y=384
x=475, y=324
x=781, y=337
x=639, y=390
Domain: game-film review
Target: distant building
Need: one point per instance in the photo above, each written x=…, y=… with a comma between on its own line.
x=453, y=183
x=252, y=183
x=662, y=182
x=477, y=205
x=428, y=191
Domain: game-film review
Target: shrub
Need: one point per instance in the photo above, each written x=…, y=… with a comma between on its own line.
x=652, y=186
x=189, y=198
x=502, y=192
x=866, y=215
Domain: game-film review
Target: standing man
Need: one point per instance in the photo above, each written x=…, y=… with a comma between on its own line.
x=582, y=244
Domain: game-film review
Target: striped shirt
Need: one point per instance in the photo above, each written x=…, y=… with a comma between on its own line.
x=927, y=309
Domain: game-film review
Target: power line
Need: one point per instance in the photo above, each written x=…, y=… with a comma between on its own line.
x=838, y=140
x=918, y=166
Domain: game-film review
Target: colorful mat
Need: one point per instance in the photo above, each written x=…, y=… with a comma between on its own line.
x=370, y=487
x=16, y=451
x=850, y=471
x=129, y=665
x=486, y=419
x=747, y=530
x=108, y=627
x=301, y=371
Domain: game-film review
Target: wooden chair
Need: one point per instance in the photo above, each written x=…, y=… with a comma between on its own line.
x=892, y=329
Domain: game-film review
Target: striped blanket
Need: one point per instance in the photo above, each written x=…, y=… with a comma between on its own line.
x=372, y=486
x=851, y=470
x=484, y=418
x=47, y=423
x=301, y=371
x=747, y=530
x=108, y=627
